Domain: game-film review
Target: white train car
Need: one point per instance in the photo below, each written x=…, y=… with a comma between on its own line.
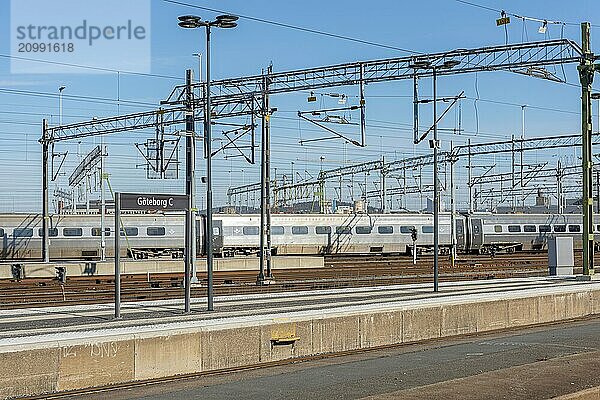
x=331, y=233
x=491, y=233
x=78, y=236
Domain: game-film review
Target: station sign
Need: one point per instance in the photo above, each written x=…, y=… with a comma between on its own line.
x=153, y=202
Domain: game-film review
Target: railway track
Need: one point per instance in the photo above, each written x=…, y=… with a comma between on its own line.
x=339, y=272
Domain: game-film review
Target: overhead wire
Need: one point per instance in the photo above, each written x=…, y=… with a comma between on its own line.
x=89, y=67
x=295, y=27
x=523, y=17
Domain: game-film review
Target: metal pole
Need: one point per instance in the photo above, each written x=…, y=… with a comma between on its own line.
x=263, y=184
x=597, y=191
x=102, y=205
x=268, y=175
x=60, y=105
x=363, y=119
x=415, y=109
x=559, y=187
x=383, y=186
x=192, y=202
x=469, y=168
x=208, y=146
x=117, y=256
x=436, y=191
x=189, y=189
x=45, y=212
x=586, y=76
x=414, y=252
x=513, y=199
x=522, y=162
x=452, y=207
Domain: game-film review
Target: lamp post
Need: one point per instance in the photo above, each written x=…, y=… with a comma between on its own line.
x=434, y=144
x=60, y=104
x=192, y=22
x=199, y=55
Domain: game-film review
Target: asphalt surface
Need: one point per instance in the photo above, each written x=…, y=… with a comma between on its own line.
x=536, y=363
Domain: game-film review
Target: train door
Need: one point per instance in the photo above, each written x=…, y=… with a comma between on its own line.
x=460, y=235
x=476, y=234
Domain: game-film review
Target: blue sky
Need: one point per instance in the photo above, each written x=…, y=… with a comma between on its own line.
x=427, y=26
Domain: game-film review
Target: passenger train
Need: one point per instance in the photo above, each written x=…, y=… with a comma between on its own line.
x=149, y=235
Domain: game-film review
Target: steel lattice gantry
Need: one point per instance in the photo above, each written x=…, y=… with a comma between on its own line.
x=238, y=96
x=472, y=150
x=246, y=95
x=494, y=58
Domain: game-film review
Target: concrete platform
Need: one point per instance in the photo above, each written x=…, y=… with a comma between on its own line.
x=64, y=360
x=94, y=268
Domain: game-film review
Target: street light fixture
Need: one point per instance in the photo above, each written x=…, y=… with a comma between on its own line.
x=434, y=144
x=192, y=22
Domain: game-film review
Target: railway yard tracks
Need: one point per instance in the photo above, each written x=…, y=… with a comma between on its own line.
x=339, y=272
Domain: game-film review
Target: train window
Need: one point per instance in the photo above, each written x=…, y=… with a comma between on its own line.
x=598, y=227
x=406, y=229
x=299, y=230
x=514, y=228
x=155, y=231
x=363, y=230
x=22, y=232
x=72, y=232
x=545, y=228
x=560, y=228
x=385, y=229
x=343, y=230
x=129, y=231
x=97, y=231
x=497, y=228
x=323, y=230
x=52, y=232
x=574, y=228
x=250, y=230
x=277, y=230
x=529, y=228
x=2, y=232
x=427, y=229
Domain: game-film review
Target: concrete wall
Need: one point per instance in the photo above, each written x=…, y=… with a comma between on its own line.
x=58, y=365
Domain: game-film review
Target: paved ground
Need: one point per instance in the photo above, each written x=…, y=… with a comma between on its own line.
x=531, y=364
x=50, y=320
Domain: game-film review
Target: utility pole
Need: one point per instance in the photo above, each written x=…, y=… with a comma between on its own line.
x=265, y=204
x=586, y=76
x=383, y=186
x=60, y=104
x=512, y=153
x=469, y=168
x=268, y=176
x=559, y=189
x=102, y=203
x=436, y=189
x=45, y=213
x=189, y=187
x=522, y=162
x=452, y=206
x=598, y=192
